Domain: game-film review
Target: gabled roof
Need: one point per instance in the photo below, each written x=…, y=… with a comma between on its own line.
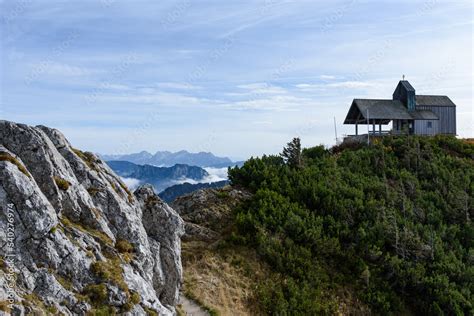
x=380, y=111
x=433, y=100
x=407, y=85
x=424, y=115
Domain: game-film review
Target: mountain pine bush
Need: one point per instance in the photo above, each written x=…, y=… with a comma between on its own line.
x=392, y=221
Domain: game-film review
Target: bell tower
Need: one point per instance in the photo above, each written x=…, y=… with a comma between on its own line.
x=406, y=94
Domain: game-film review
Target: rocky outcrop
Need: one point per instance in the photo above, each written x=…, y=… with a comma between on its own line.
x=208, y=213
x=74, y=239
x=171, y=193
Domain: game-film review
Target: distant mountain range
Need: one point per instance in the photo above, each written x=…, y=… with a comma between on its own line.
x=167, y=159
x=177, y=190
x=159, y=177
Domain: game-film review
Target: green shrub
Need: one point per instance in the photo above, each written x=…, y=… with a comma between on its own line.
x=389, y=220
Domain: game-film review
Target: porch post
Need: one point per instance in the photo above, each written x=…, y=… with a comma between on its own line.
x=380, y=129
x=357, y=129
x=373, y=127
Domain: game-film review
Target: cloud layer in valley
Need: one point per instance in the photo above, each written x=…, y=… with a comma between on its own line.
x=215, y=175
x=131, y=182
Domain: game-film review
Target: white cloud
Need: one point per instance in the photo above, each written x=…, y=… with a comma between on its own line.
x=132, y=183
x=342, y=84
x=262, y=88
x=60, y=69
x=352, y=85
x=112, y=86
x=327, y=77
x=177, y=86
x=272, y=103
x=307, y=86
x=150, y=96
x=215, y=175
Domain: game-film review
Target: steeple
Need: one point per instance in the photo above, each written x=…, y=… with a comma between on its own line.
x=406, y=94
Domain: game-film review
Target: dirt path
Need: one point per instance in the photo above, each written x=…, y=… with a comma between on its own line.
x=191, y=308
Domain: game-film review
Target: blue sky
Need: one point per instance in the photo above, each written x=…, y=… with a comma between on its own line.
x=237, y=78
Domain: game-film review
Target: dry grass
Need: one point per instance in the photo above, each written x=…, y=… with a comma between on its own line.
x=102, y=237
x=62, y=184
x=150, y=312
x=222, y=280
x=88, y=158
x=125, y=188
x=93, y=191
x=469, y=140
x=34, y=302
x=125, y=249
x=7, y=157
x=124, y=246
x=5, y=306
x=180, y=311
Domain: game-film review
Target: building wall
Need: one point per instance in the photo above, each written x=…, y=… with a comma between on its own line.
x=421, y=127
x=447, y=118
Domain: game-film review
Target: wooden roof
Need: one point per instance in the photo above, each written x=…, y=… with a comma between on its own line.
x=424, y=115
x=380, y=111
x=433, y=100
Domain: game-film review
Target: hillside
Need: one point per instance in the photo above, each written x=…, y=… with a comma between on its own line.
x=74, y=240
x=171, y=193
x=356, y=229
x=159, y=177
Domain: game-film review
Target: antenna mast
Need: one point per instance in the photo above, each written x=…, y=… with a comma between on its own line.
x=335, y=129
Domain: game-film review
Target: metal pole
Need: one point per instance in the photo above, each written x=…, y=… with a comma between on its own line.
x=335, y=129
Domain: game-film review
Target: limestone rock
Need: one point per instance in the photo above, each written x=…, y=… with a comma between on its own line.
x=73, y=238
x=165, y=226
